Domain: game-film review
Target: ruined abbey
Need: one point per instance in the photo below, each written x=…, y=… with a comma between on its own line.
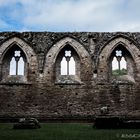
x=69, y=75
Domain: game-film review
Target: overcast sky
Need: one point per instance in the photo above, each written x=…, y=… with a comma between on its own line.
x=70, y=15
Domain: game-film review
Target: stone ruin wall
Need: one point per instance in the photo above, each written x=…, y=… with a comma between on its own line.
x=44, y=93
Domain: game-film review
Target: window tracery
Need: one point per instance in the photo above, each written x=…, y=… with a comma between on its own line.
x=17, y=64
x=14, y=65
x=67, y=64
x=119, y=63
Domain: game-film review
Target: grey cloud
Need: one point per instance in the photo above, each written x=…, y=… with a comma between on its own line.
x=79, y=15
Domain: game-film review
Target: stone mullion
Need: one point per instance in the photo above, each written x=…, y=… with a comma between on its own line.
x=119, y=66
x=68, y=60
x=17, y=60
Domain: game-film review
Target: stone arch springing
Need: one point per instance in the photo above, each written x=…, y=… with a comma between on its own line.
x=51, y=57
x=25, y=55
x=105, y=54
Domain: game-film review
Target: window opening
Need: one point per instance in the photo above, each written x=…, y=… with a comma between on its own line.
x=119, y=64
x=67, y=64
x=12, y=66
x=17, y=64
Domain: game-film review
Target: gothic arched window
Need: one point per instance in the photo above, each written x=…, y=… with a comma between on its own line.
x=14, y=63
x=119, y=64
x=121, y=61
x=17, y=64
x=67, y=65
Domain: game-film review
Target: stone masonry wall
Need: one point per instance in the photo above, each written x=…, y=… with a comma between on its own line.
x=43, y=94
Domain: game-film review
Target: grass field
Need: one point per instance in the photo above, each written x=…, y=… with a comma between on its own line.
x=63, y=131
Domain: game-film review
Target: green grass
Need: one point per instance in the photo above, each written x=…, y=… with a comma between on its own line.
x=118, y=72
x=63, y=131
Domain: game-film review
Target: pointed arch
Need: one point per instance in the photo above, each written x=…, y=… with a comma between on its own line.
x=56, y=48
x=27, y=49
x=14, y=61
x=52, y=54
x=8, y=49
x=108, y=50
x=66, y=59
x=123, y=61
x=111, y=45
x=71, y=66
